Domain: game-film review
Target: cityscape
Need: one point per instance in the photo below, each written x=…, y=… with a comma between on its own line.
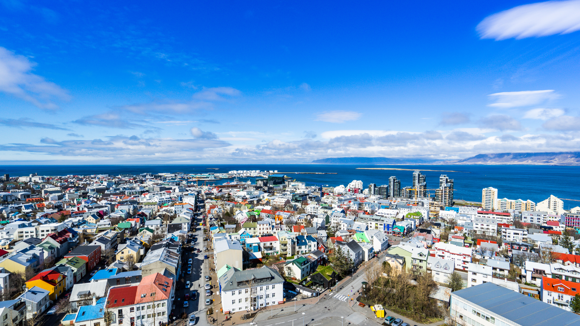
x=270, y=163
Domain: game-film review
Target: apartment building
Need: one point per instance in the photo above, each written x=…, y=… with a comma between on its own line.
x=489, y=198
x=461, y=255
x=251, y=289
x=483, y=225
x=513, y=234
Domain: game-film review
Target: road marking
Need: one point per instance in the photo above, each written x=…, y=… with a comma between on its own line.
x=280, y=323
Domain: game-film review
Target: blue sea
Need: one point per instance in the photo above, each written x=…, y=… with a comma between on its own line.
x=513, y=181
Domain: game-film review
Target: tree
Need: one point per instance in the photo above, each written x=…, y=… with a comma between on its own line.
x=342, y=263
x=575, y=304
x=63, y=305
x=567, y=243
x=130, y=261
x=455, y=282
x=387, y=268
x=109, y=255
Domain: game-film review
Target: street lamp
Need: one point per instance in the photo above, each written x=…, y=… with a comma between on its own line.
x=303, y=318
x=342, y=319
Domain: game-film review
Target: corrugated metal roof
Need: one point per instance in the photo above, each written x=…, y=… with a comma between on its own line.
x=518, y=308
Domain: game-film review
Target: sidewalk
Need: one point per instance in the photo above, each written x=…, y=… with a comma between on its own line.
x=367, y=312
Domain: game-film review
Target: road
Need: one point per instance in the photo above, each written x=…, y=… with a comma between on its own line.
x=196, y=278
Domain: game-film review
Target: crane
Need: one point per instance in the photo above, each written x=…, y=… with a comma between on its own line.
x=569, y=199
x=416, y=190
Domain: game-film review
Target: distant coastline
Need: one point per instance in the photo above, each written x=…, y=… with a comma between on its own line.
x=400, y=169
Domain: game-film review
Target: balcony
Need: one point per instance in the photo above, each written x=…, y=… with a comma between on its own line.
x=562, y=302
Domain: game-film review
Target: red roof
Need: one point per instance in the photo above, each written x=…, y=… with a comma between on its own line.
x=503, y=225
x=297, y=228
x=266, y=211
x=554, y=232
x=560, y=286
x=493, y=213
x=566, y=257
x=121, y=296
x=50, y=276
x=553, y=223
x=156, y=284
x=336, y=239
x=268, y=239
x=480, y=241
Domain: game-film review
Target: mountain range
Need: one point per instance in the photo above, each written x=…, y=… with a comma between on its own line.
x=554, y=158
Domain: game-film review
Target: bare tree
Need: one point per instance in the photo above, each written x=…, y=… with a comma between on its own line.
x=130, y=261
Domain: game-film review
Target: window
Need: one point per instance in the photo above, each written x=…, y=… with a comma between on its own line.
x=163, y=304
x=148, y=306
x=272, y=287
x=261, y=288
x=273, y=302
x=246, y=300
x=240, y=292
x=267, y=296
x=246, y=291
x=131, y=309
x=148, y=315
x=267, y=287
x=233, y=301
x=233, y=292
x=163, y=313
x=239, y=300
x=138, y=308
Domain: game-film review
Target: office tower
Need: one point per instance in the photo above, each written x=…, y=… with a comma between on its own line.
x=394, y=187
x=488, y=198
x=372, y=189
x=419, y=184
x=383, y=191
x=444, y=194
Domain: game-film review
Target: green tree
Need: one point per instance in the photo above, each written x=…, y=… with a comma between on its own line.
x=341, y=262
x=455, y=282
x=567, y=243
x=575, y=304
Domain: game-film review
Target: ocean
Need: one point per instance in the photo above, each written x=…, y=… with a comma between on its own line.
x=534, y=182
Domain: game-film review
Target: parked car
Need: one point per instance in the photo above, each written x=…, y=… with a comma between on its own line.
x=207, y=277
x=185, y=304
x=397, y=322
x=189, y=270
x=389, y=320
x=192, y=320
x=187, y=296
x=405, y=324
x=207, y=301
x=206, y=257
x=52, y=311
x=207, y=286
x=190, y=261
x=207, y=292
x=187, y=284
x=194, y=295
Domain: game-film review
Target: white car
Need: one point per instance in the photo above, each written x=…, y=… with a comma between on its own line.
x=187, y=285
x=190, y=261
x=52, y=311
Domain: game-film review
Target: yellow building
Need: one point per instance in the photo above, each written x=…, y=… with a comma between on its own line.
x=21, y=264
x=50, y=280
x=129, y=249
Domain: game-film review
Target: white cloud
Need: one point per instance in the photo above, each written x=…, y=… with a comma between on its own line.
x=543, y=114
x=532, y=20
x=17, y=79
x=523, y=98
x=200, y=134
x=341, y=133
x=563, y=123
x=305, y=87
x=501, y=122
x=216, y=93
x=338, y=116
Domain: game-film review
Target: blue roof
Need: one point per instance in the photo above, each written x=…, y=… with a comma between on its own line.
x=277, y=175
x=104, y=274
x=301, y=240
x=516, y=307
x=69, y=317
x=35, y=294
x=86, y=313
x=127, y=274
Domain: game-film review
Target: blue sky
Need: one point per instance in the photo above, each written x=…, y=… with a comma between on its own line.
x=264, y=81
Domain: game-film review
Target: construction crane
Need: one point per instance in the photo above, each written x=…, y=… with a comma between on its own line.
x=569, y=199
x=416, y=190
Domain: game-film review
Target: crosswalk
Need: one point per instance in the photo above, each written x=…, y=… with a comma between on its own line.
x=340, y=297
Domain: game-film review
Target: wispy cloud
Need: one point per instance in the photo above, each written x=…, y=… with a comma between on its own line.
x=216, y=93
x=17, y=79
x=305, y=87
x=532, y=20
x=563, y=123
x=543, y=114
x=72, y=134
x=500, y=122
x=338, y=116
x=109, y=120
x=522, y=98
x=26, y=122
x=454, y=118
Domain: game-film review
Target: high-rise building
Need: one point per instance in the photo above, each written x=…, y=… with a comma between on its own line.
x=420, y=184
x=488, y=198
x=394, y=187
x=383, y=191
x=553, y=204
x=372, y=189
x=444, y=194
x=6, y=177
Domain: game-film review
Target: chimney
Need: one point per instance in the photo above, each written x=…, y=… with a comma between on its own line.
x=94, y=300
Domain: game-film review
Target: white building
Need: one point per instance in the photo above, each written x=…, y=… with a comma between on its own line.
x=461, y=255
x=251, y=289
x=513, y=234
x=441, y=269
x=483, y=225
x=553, y=204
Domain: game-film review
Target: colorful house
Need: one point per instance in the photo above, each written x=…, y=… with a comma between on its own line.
x=50, y=280
x=78, y=266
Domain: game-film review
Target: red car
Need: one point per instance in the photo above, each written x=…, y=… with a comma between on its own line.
x=187, y=296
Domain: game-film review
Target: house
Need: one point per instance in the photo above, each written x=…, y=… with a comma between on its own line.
x=415, y=258
x=270, y=245
x=461, y=255
x=51, y=280
x=558, y=292
x=148, y=303
x=250, y=289
x=534, y=272
x=130, y=248
x=91, y=314
x=300, y=267
x=396, y=262
x=90, y=254
x=441, y=269
x=78, y=266
x=324, y=276
x=82, y=294
x=13, y=312
x=25, y=264
x=352, y=250
x=37, y=301
x=378, y=239
x=513, y=234
x=68, y=274
x=227, y=251
x=163, y=256
x=305, y=244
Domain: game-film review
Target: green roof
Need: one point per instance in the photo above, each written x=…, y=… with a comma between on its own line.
x=223, y=270
x=326, y=271
x=411, y=215
x=298, y=261
x=124, y=225
x=250, y=225
x=361, y=237
x=74, y=262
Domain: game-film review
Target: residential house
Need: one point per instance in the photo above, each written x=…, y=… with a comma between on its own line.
x=13, y=312
x=163, y=256
x=269, y=245
x=91, y=314
x=130, y=248
x=352, y=250
x=21, y=263
x=51, y=280
x=78, y=266
x=82, y=294
x=461, y=255
x=37, y=301
x=558, y=292
x=250, y=289
x=305, y=244
x=89, y=253
x=441, y=269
